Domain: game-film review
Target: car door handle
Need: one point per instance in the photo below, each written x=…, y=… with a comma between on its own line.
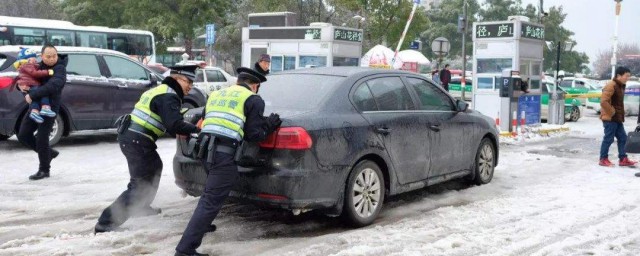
x=435, y=127
x=383, y=130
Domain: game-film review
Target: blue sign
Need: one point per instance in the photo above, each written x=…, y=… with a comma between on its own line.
x=530, y=104
x=414, y=45
x=211, y=34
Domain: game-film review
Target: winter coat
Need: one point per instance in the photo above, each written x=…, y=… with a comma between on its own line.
x=30, y=74
x=52, y=85
x=612, y=102
x=445, y=76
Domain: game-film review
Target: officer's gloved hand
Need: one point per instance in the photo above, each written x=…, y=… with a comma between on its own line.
x=273, y=122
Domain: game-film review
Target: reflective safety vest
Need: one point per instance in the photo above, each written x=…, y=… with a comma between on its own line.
x=143, y=116
x=224, y=112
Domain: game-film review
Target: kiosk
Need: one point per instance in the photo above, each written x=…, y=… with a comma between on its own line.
x=514, y=47
x=292, y=47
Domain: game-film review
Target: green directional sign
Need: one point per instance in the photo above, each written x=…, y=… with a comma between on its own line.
x=532, y=31
x=494, y=30
x=347, y=35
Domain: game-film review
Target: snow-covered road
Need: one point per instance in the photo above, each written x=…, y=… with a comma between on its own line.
x=548, y=197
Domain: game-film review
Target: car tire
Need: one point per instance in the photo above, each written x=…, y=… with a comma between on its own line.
x=485, y=163
x=575, y=114
x=4, y=137
x=364, y=190
x=56, y=132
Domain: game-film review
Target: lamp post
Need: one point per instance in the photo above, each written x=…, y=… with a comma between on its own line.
x=554, y=107
x=615, y=40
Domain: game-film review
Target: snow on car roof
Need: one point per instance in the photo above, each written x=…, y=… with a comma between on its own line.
x=61, y=49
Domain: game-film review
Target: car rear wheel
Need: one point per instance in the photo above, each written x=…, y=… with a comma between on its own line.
x=56, y=131
x=485, y=162
x=364, y=195
x=575, y=114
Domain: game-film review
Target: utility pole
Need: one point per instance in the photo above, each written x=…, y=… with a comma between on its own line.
x=541, y=12
x=614, y=59
x=464, y=49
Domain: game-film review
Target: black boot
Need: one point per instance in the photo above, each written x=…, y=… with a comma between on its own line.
x=212, y=228
x=103, y=228
x=39, y=175
x=54, y=153
x=193, y=254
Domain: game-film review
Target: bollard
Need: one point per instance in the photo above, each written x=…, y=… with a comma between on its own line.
x=514, y=124
x=523, y=122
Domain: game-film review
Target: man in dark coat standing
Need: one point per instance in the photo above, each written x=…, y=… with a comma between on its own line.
x=445, y=77
x=51, y=87
x=262, y=65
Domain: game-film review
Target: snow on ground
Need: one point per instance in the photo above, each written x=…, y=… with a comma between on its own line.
x=547, y=197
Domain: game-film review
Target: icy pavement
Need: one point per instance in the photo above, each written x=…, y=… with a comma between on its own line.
x=548, y=197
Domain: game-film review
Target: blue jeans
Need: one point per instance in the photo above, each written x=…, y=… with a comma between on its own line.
x=35, y=104
x=613, y=129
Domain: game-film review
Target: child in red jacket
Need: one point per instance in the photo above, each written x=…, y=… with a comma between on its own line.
x=29, y=75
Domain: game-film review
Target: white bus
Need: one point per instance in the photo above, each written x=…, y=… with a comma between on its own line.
x=138, y=44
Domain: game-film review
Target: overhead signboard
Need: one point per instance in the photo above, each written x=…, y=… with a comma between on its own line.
x=532, y=31
x=347, y=35
x=494, y=30
x=290, y=33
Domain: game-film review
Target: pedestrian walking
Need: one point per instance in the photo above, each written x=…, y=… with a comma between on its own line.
x=262, y=65
x=51, y=88
x=231, y=115
x=612, y=115
x=445, y=77
x=156, y=113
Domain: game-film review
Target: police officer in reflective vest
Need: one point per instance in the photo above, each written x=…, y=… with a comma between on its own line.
x=231, y=115
x=156, y=113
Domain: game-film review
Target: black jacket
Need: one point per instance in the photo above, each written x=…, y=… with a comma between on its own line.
x=52, y=86
x=260, y=70
x=255, y=128
x=168, y=106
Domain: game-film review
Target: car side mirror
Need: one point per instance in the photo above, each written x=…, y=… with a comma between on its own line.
x=153, y=81
x=462, y=106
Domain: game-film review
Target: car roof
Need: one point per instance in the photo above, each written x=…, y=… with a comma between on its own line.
x=61, y=49
x=345, y=71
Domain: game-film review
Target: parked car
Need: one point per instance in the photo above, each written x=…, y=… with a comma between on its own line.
x=572, y=106
x=573, y=85
x=351, y=136
x=101, y=86
x=211, y=79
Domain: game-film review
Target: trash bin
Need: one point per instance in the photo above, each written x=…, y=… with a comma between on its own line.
x=556, y=108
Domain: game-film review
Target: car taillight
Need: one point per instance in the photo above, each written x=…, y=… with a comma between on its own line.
x=288, y=138
x=5, y=82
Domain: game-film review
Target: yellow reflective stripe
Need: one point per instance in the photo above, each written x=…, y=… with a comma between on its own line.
x=226, y=116
x=220, y=130
x=148, y=118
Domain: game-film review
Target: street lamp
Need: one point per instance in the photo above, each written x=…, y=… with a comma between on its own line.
x=615, y=40
x=358, y=18
x=555, y=108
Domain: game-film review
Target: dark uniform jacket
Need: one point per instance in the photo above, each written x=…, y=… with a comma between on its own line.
x=168, y=106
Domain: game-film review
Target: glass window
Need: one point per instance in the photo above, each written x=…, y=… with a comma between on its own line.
x=83, y=65
x=524, y=68
x=199, y=76
x=536, y=69
x=485, y=82
x=28, y=36
x=125, y=68
x=91, y=39
x=299, y=96
x=363, y=99
x=580, y=84
x=534, y=84
x=289, y=62
x=390, y=94
x=276, y=64
x=312, y=61
x=344, y=61
x=139, y=45
x=566, y=83
x=431, y=98
x=215, y=76
x=494, y=65
x=5, y=38
x=117, y=43
x=545, y=89
x=60, y=37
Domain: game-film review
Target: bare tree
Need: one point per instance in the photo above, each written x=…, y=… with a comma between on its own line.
x=602, y=63
x=43, y=9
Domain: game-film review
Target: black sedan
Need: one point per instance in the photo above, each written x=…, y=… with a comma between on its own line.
x=350, y=137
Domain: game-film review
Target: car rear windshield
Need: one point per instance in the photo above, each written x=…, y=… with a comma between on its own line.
x=297, y=91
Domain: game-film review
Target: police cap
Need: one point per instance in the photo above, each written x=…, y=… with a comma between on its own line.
x=188, y=71
x=250, y=74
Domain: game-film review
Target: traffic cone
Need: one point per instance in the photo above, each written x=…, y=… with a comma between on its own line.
x=514, y=124
x=523, y=122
